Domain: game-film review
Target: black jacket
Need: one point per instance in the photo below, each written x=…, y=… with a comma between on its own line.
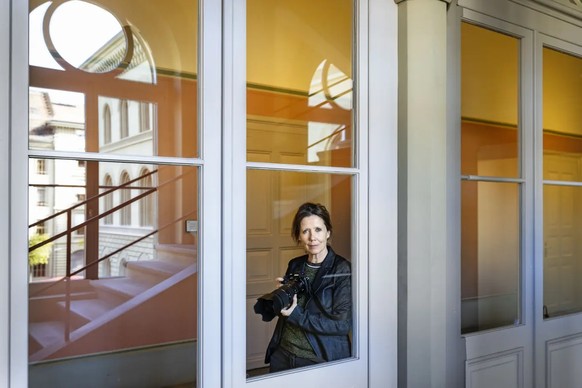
x=326, y=318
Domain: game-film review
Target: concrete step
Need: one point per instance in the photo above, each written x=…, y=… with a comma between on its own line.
x=89, y=309
x=47, y=333
x=184, y=254
x=121, y=289
x=48, y=288
x=153, y=270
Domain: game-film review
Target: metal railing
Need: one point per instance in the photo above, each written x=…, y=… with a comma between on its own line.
x=70, y=229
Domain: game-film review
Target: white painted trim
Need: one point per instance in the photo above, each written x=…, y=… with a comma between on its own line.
x=234, y=193
x=529, y=15
x=18, y=196
x=496, y=365
x=559, y=374
x=547, y=330
x=112, y=158
x=554, y=8
x=455, y=343
x=298, y=167
x=4, y=190
x=383, y=194
x=481, y=344
x=349, y=372
x=210, y=122
x=360, y=221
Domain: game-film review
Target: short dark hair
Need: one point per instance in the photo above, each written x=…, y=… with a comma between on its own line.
x=306, y=210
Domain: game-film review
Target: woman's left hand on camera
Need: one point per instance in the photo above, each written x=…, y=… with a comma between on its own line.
x=286, y=312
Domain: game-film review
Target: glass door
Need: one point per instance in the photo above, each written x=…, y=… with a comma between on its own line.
x=559, y=156
x=121, y=154
x=496, y=201
x=298, y=143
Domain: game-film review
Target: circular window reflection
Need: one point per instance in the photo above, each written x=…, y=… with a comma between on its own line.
x=87, y=36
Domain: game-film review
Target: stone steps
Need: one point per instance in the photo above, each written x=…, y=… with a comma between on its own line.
x=104, y=295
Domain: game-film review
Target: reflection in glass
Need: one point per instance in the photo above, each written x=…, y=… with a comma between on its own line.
x=112, y=267
x=272, y=200
x=125, y=126
x=490, y=143
x=490, y=101
x=490, y=250
x=121, y=94
x=80, y=21
x=562, y=121
x=56, y=120
x=113, y=277
x=562, y=250
x=299, y=74
x=39, y=53
x=562, y=143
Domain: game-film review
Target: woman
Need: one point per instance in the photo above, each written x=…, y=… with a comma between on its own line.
x=315, y=328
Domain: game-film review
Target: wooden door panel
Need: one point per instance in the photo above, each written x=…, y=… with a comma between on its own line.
x=561, y=231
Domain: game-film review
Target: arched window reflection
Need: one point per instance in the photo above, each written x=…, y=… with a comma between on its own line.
x=108, y=200
x=124, y=117
x=146, y=204
x=96, y=43
x=124, y=197
x=144, y=117
x=107, y=124
x=330, y=89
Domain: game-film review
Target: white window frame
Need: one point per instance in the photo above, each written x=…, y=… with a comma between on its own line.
x=509, y=338
x=374, y=105
x=14, y=270
x=17, y=283
x=221, y=354
x=5, y=191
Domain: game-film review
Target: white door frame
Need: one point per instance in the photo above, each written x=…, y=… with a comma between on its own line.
x=4, y=188
x=557, y=26
x=511, y=348
x=561, y=334
x=210, y=119
x=221, y=354
x=18, y=196
x=14, y=291
x=376, y=116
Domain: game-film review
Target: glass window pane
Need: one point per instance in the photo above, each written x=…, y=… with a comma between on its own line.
x=299, y=74
x=562, y=250
x=113, y=271
x=122, y=88
x=273, y=198
x=562, y=156
x=489, y=102
x=490, y=252
x=562, y=116
x=113, y=280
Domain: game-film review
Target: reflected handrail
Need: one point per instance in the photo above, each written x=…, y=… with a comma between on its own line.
x=71, y=229
x=99, y=216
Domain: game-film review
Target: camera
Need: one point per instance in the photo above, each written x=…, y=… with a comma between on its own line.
x=271, y=304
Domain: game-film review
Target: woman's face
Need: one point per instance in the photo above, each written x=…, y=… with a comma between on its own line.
x=313, y=237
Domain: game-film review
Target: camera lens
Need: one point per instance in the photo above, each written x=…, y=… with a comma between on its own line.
x=271, y=304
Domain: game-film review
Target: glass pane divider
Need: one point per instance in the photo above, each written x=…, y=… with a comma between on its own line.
x=491, y=179
x=301, y=167
x=562, y=183
x=96, y=156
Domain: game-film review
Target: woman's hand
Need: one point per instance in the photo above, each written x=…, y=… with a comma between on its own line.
x=286, y=312
x=279, y=282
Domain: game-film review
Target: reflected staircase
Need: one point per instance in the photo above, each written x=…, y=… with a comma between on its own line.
x=153, y=303
x=103, y=307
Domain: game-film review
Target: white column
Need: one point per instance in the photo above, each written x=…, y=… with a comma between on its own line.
x=383, y=201
x=18, y=216
x=4, y=189
x=429, y=301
